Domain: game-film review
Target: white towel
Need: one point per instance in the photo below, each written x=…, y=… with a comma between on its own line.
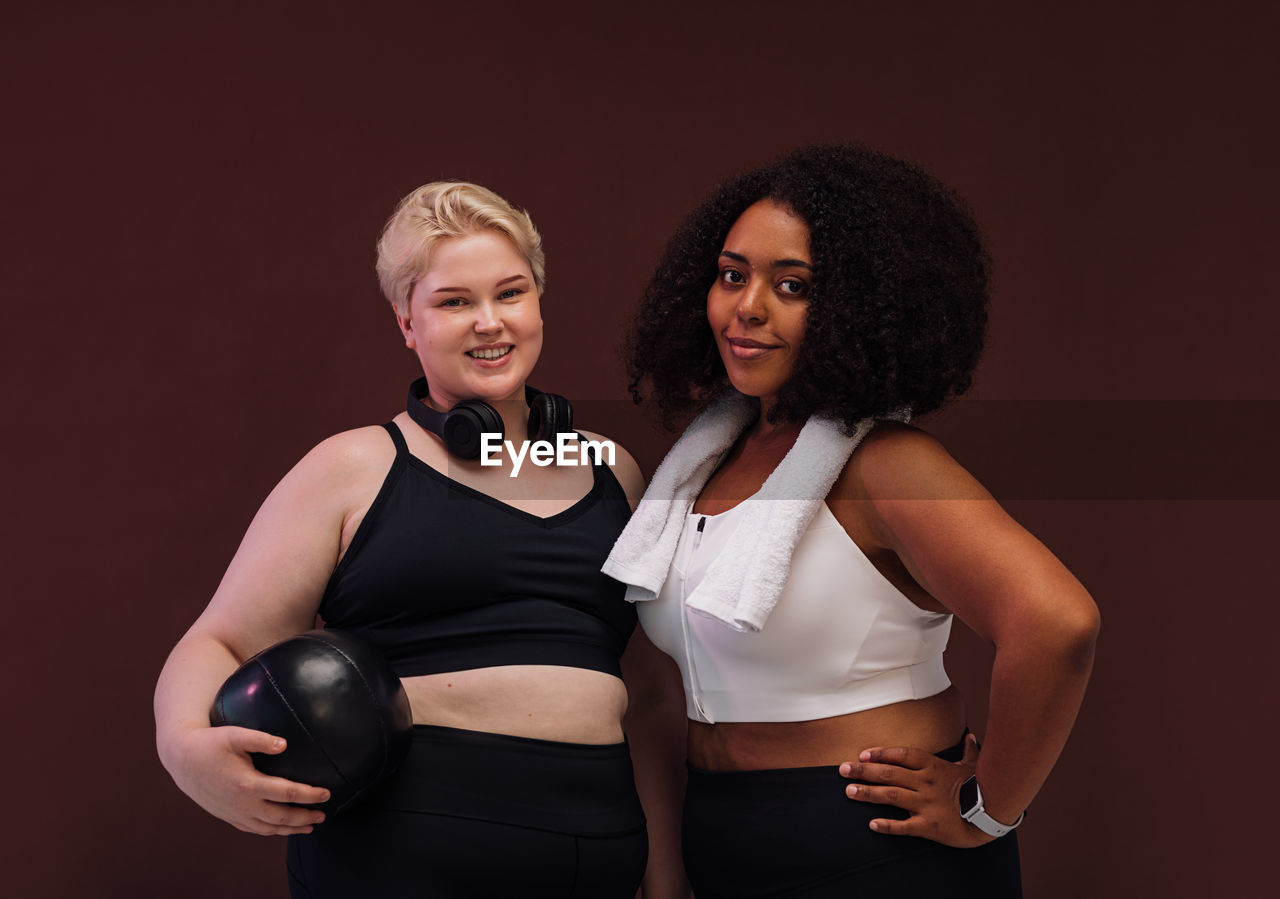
x=743, y=583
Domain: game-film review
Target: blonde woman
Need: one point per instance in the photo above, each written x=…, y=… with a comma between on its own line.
x=481, y=585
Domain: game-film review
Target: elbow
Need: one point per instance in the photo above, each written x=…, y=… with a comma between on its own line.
x=1085, y=620
x=1082, y=641
x=1066, y=633
x=1072, y=635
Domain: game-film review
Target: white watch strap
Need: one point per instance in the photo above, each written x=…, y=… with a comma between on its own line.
x=978, y=817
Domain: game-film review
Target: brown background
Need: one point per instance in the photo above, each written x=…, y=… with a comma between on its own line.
x=191, y=197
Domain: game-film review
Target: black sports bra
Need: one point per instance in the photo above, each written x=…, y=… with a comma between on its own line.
x=441, y=577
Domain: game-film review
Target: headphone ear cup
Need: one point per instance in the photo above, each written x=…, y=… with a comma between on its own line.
x=549, y=415
x=465, y=423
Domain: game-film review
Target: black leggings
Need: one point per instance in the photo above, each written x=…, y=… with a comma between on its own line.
x=474, y=814
x=792, y=832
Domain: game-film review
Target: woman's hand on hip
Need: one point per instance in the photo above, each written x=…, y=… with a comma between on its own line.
x=214, y=769
x=920, y=783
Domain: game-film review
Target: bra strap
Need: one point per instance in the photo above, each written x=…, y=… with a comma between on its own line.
x=402, y=448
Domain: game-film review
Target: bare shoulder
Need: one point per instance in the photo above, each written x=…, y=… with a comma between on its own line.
x=350, y=456
x=900, y=462
x=336, y=476
x=623, y=466
x=352, y=449
x=273, y=586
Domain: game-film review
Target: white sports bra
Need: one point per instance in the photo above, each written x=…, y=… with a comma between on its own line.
x=841, y=639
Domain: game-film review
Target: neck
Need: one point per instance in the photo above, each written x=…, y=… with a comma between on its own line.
x=765, y=431
x=515, y=417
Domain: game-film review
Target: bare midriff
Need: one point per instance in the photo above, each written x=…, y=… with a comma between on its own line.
x=545, y=702
x=934, y=723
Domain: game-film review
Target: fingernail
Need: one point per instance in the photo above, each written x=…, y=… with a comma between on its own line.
x=845, y=769
x=865, y=755
x=277, y=743
x=852, y=791
x=875, y=825
x=324, y=796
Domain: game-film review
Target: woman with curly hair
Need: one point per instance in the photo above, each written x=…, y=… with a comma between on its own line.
x=801, y=550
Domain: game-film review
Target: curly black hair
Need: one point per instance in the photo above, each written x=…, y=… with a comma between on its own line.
x=898, y=303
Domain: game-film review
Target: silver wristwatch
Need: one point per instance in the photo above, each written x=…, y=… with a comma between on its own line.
x=973, y=811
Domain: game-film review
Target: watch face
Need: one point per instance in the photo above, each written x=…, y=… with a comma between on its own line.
x=968, y=795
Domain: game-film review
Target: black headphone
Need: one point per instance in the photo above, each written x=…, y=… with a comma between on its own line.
x=460, y=428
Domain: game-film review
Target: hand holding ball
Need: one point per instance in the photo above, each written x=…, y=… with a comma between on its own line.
x=337, y=703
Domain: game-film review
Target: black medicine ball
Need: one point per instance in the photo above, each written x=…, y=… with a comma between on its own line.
x=337, y=703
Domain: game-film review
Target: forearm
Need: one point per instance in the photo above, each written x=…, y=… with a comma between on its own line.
x=191, y=676
x=1036, y=691
x=656, y=729
x=660, y=780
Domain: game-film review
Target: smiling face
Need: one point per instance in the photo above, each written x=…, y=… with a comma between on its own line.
x=758, y=304
x=474, y=320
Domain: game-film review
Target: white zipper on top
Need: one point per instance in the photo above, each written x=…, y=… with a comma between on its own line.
x=684, y=623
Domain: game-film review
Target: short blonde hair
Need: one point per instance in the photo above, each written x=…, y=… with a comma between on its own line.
x=440, y=210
